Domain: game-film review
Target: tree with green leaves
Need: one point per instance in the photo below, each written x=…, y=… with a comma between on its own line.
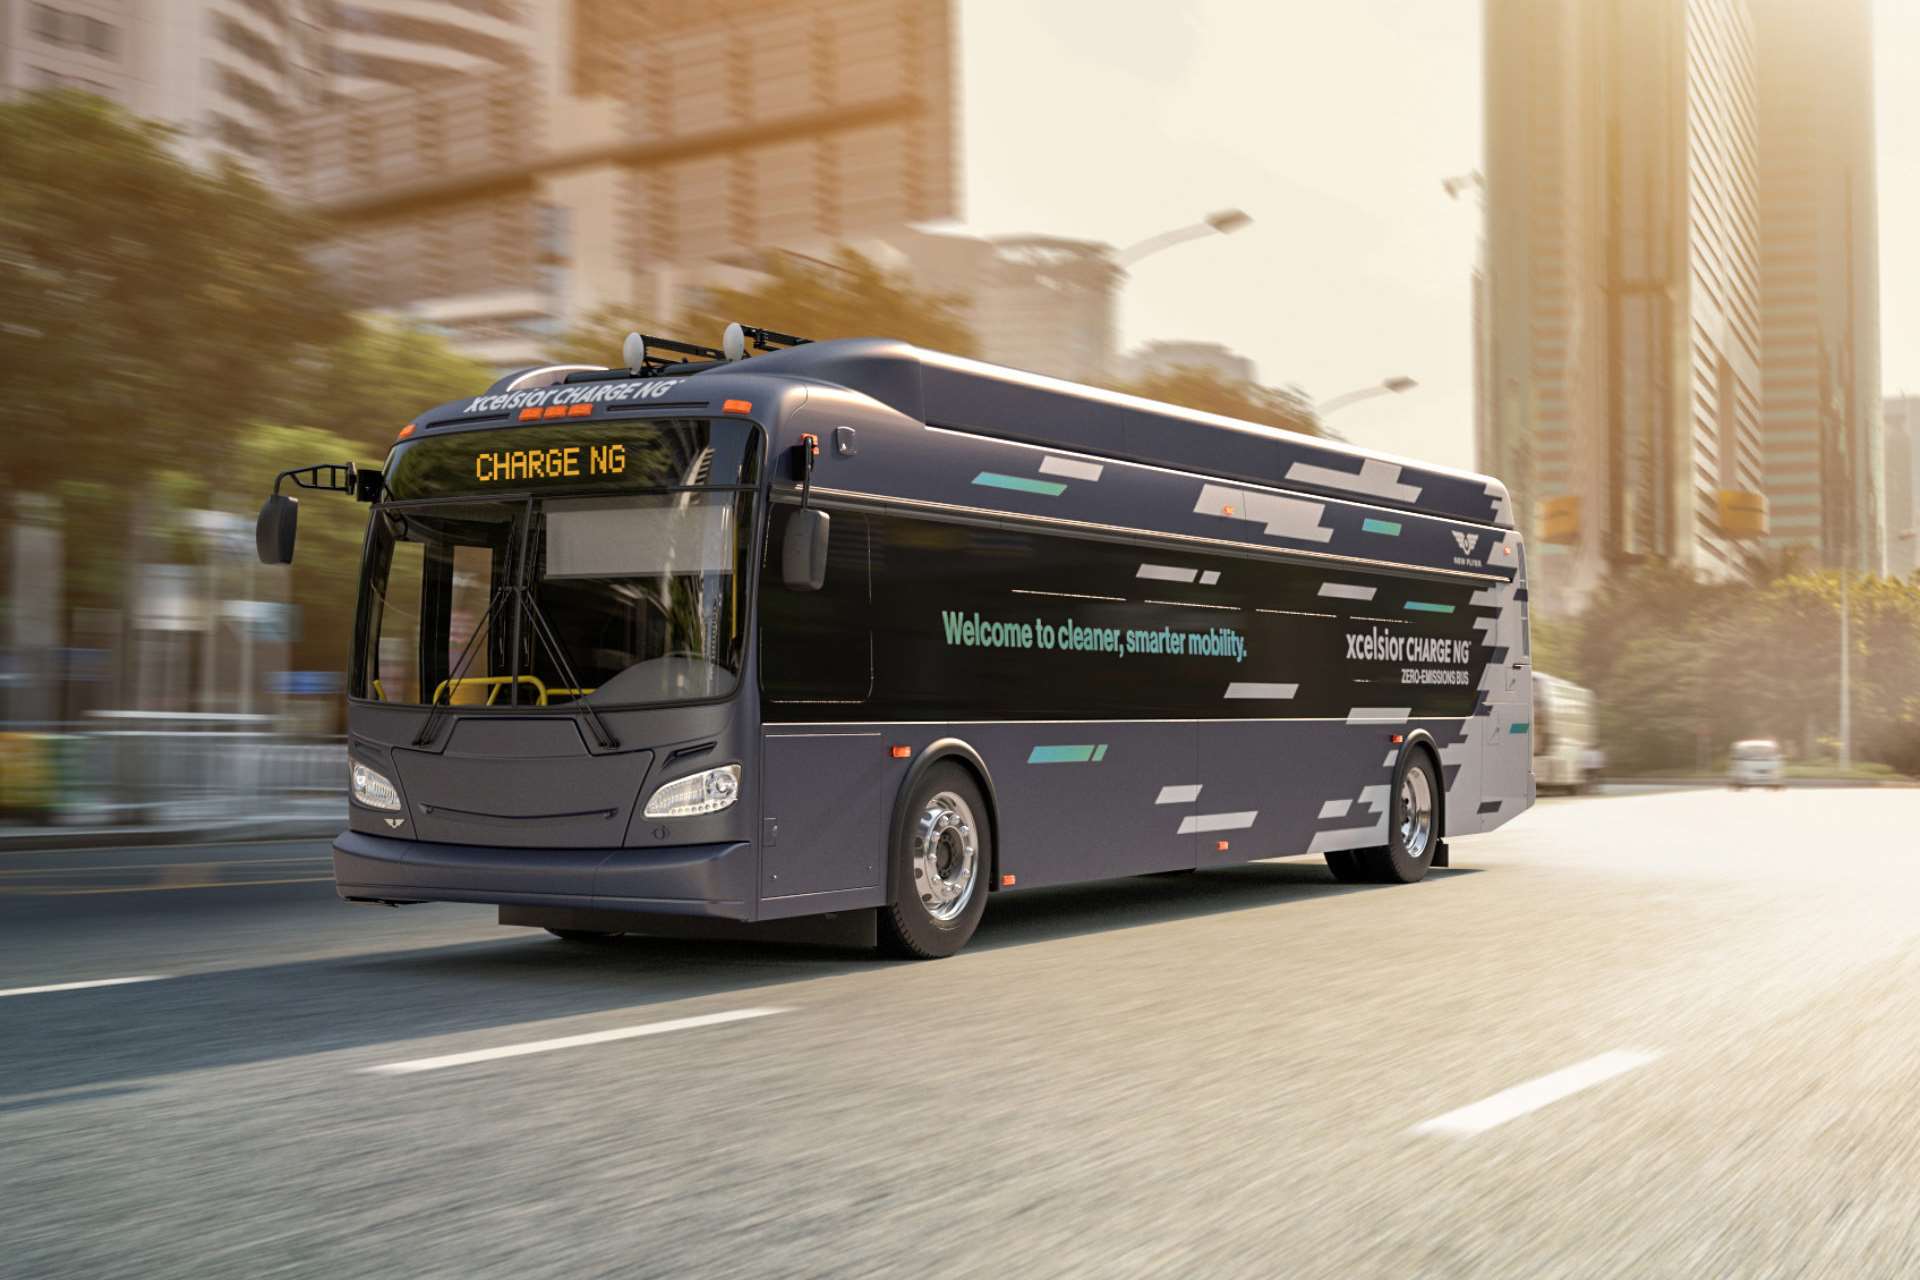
x=145, y=305
x=1198, y=387
x=849, y=296
x=156, y=322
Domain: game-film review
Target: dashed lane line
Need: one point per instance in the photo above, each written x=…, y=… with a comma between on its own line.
x=81, y=986
x=567, y=1042
x=1510, y=1104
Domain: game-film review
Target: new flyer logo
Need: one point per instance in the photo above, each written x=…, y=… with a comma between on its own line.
x=1467, y=541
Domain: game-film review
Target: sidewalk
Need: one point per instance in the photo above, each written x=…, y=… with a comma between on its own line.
x=317, y=819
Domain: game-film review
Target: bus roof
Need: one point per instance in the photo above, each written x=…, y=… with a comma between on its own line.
x=962, y=394
x=971, y=395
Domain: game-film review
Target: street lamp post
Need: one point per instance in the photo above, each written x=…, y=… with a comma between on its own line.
x=1223, y=223
x=1393, y=386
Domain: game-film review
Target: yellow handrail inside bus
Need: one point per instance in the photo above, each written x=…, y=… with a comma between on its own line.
x=491, y=684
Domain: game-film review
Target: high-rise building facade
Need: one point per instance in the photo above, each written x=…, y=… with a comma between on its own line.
x=637, y=145
x=1821, y=422
x=1621, y=374
x=224, y=73
x=1901, y=415
x=378, y=46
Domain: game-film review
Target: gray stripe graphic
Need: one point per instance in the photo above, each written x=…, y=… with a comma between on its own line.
x=1254, y=689
x=1167, y=573
x=1199, y=822
x=1379, y=715
x=1346, y=591
x=1381, y=479
x=1335, y=808
x=1051, y=466
x=1210, y=577
x=1183, y=794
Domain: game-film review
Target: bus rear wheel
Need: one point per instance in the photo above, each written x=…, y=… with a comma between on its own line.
x=1413, y=826
x=941, y=857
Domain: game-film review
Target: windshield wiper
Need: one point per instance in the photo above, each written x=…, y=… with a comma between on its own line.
x=543, y=631
x=459, y=669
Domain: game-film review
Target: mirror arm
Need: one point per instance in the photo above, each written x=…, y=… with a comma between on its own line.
x=805, y=452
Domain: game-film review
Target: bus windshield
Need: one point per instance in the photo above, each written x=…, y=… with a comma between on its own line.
x=571, y=593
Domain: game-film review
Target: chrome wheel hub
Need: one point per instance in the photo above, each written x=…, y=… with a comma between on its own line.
x=1416, y=813
x=946, y=856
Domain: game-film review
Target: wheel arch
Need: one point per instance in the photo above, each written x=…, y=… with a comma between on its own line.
x=939, y=751
x=1421, y=740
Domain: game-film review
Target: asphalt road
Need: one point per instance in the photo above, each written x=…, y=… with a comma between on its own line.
x=1662, y=1035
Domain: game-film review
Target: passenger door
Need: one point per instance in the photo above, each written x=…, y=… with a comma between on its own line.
x=821, y=803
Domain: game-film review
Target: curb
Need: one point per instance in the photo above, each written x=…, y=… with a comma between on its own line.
x=30, y=839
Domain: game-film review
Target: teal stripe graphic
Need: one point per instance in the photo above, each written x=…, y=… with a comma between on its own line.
x=1421, y=606
x=1519, y=728
x=1389, y=527
x=1076, y=754
x=994, y=480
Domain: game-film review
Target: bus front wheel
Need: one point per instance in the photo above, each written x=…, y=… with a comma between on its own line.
x=942, y=855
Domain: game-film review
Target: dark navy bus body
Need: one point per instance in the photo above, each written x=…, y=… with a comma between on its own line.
x=1135, y=637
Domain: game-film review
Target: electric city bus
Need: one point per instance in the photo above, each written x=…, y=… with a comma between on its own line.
x=844, y=638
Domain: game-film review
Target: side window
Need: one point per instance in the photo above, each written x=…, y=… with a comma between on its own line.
x=817, y=646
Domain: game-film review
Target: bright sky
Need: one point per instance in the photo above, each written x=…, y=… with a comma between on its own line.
x=1333, y=123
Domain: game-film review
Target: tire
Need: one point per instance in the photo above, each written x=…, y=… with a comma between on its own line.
x=940, y=862
x=1346, y=868
x=581, y=935
x=1413, y=823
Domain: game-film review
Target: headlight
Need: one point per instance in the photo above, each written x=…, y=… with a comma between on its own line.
x=371, y=788
x=708, y=792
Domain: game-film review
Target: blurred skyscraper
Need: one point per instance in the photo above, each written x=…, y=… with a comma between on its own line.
x=1622, y=372
x=610, y=153
x=1045, y=303
x=223, y=72
x=1902, y=419
x=1820, y=274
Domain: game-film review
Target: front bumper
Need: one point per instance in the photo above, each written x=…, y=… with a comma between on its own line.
x=711, y=880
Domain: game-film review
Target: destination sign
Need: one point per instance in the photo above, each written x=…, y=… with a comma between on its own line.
x=576, y=454
x=556, y=462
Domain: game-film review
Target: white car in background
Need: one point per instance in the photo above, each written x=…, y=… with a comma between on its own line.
x=1757, y=762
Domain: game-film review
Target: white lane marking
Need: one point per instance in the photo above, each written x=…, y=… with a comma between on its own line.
x=82, y=986
x=1185, y=793
x=1511, y=1103
x=567, y=1042
x=1200, y=822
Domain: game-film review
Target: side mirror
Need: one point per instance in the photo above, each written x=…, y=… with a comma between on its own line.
x=803, y=550
x=273, y=531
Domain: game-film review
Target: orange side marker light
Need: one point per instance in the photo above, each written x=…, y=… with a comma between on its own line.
x=579, y=410
x=554, y=411
x=1220, y=845
x=737, y=406
x=405, y=431
x=1397, y=739
x=530, y=413
x=900, y=753
x=1007, y=882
